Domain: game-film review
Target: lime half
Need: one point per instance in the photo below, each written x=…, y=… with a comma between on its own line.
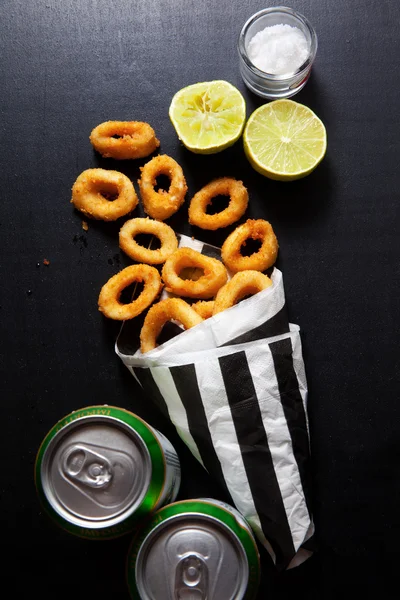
x=284, y=140
x=208, y=117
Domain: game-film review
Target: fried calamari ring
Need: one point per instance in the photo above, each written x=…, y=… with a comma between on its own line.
x=124, y=139
x=214, y=274
x=159, y=314
x=162, y=231
x=110, y=293
x=162, y=204
x=204, y=308
x=93, y=190
x=225, y=186
x=244, y=283
x=259, y=261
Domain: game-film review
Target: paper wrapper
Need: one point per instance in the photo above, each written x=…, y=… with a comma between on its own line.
x=235, y=389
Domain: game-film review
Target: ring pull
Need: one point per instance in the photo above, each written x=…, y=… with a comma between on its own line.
x=191, y=578
x=85, y=467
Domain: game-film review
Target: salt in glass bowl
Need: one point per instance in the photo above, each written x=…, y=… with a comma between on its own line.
x=268, y=85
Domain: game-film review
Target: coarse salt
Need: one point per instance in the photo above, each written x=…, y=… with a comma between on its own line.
x=278, y=49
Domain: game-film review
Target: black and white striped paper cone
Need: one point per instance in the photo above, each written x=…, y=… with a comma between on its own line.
x=235, y=389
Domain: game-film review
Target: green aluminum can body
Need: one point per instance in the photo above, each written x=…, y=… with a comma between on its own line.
x=201, y=549
x=101, y=470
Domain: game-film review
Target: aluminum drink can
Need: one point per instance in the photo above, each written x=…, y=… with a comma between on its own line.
x=101, y=469
x=199, y=549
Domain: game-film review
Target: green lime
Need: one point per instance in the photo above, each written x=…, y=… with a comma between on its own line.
x=284, y=140
x=209, y=116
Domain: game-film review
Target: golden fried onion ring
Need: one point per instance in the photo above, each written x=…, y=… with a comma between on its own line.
x=93, y=189
x=225, y=186
x=110, y=293
x=204, y=308
x=159, y=314
x=244, y=283
x=259, y=261
x=162, y=204
x=206, y=286
x=124, y=139
x=162, y=231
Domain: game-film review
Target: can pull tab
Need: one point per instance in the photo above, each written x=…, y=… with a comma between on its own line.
x=83, y=466
x=191, y=579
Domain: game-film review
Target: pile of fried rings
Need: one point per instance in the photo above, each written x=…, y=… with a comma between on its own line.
x=213, y=285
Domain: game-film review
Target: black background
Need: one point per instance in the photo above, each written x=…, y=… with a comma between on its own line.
x=67, y=66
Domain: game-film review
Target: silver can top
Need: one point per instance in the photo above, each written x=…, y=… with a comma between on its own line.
x=96, y=471
x=192, y=557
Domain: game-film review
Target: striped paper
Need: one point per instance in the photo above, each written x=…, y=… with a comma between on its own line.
x=235, y=389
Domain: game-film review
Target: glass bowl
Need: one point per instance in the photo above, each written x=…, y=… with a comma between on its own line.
x=268, y=85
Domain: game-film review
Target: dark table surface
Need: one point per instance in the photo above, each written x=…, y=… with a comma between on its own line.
x=67, y=66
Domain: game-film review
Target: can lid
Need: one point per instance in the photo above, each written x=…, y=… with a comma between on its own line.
x=96, y=471
x=194, y=556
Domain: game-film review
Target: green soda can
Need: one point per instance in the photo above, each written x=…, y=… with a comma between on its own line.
x=102, y=469
x=196, y=549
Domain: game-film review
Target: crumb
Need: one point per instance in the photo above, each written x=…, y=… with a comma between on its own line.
x=46, y=262
x=85, y=226
x=193, y=237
